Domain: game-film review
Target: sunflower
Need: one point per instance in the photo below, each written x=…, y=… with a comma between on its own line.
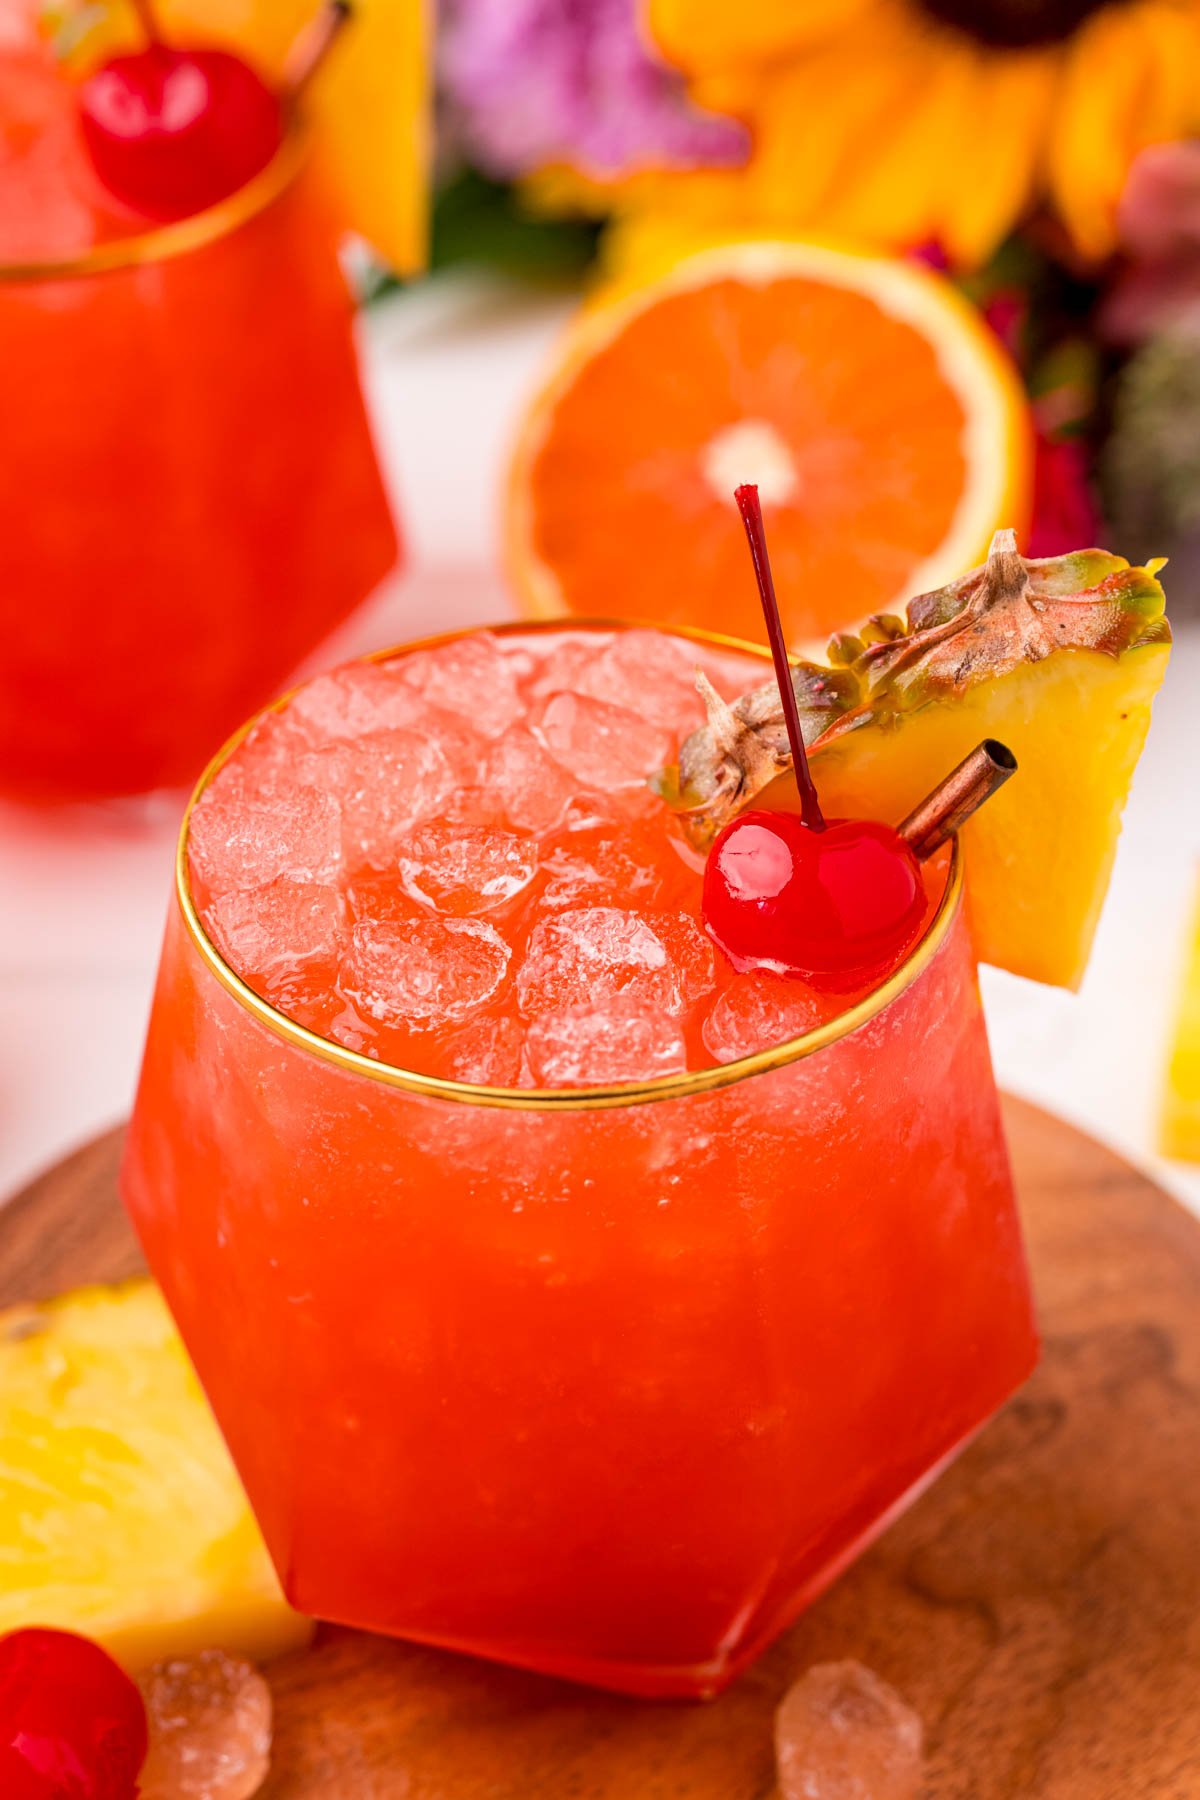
x=902, y=122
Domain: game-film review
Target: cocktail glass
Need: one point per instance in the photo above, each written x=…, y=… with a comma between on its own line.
x=190, y=499
x=608, y=1383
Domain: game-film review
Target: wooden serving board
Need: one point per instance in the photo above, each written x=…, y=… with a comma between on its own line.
x=1040, y=1606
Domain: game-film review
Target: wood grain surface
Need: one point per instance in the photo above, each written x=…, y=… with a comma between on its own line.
x=1040, y=1605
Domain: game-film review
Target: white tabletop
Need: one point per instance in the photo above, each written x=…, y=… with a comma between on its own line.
x=83, y=892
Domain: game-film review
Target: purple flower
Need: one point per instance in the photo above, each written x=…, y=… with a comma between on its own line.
x=534, y=82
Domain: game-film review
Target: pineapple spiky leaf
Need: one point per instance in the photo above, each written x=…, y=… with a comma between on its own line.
x=743, y=747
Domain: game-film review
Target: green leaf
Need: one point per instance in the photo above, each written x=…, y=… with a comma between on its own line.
x=476, y=220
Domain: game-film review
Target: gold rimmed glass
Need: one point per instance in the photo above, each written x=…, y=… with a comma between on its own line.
x=665, y=1087
x=179, y=236
x=610, y=1382
x=193, y=499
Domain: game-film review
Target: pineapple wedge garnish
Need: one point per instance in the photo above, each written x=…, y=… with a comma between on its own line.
x=121, y=1516
x=1059, y=658
x=1180, y=1130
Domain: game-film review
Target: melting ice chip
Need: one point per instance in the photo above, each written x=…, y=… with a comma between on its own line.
x=757, y=1011
x=648, y=674
x=209, y=1719
x=464, y=869
x=471, y=676
x=281, y=937
x=603, y=746
x=385, y=782
x=242, y=839
x=585, y=1046
x=486, y=1053
x=592, y=954
x=421, y=973
x=843, y=1734
x=354, y=700
x=525, y=782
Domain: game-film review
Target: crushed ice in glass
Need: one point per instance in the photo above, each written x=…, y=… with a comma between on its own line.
x=471, y=676
x=759, y=1009
x=525, y=783
x=283, y=936
x=453, y=861
x=418, y=973
x=586, y=1046
x=591, y=954
x=604, y=746
x=465, y=869
x=241, y=840
x=649, y=674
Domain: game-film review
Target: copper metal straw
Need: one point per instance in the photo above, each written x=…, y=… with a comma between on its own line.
x=313, y=45
x=953, y=800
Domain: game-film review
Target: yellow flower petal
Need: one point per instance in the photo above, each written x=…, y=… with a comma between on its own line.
x=822, y=121
x=1006, y=103
x=899, y=132
x=889, y=190
x=872, y=122
x=642, y=244
x=1130, y=80
x=700, y=35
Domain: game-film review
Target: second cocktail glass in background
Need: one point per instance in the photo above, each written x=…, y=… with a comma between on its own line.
x=192, y=499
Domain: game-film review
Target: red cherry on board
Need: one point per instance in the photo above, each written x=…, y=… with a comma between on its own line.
x=837, y=907
x=72, y=1724
x=171, y=131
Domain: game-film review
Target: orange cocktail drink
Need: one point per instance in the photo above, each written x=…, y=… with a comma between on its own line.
x=191, y=499
x=565, y=1296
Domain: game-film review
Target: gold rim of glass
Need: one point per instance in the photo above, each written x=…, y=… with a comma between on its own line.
x=580, y=1099
x=180, y=236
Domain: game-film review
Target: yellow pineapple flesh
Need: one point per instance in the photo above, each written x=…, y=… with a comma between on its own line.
x=1180, y=1128
x=121, y=1515
x=1059, y=659
x=1039, y=855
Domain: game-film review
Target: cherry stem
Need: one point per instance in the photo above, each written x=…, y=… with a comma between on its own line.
x=146, y=19
x=749, y=506
x=313, y=46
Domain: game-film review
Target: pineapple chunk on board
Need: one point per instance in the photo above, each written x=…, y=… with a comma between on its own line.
x=121, y=1515
x=1180, y=1125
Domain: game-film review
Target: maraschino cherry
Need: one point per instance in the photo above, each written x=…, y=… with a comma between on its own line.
x=833, y=901
x=72, y=1724
x=172, y=130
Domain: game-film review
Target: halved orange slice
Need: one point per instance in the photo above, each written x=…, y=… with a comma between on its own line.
x=885, y=426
